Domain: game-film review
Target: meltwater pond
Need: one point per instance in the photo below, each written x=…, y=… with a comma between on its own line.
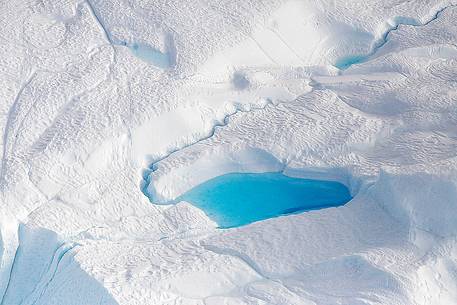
x=234, y=200
x=150, y=55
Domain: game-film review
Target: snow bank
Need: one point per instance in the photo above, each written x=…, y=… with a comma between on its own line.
x=423, y=201
x=222, y=161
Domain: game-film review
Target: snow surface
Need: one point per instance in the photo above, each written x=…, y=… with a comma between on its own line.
x=90, y=124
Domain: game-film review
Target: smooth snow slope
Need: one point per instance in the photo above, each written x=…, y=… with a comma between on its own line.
x=248, y=86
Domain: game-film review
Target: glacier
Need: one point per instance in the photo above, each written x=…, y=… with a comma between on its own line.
x=110, y=110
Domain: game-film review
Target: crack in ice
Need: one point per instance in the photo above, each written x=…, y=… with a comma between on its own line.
x=145, y=52
x=347, y=61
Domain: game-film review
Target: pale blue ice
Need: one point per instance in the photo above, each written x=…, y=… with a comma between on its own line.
x=150, y=55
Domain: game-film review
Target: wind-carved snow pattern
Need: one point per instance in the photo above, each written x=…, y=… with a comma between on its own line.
x=235, y=86
x=343, y=63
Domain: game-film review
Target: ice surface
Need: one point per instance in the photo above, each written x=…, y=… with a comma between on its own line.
x=215, y=88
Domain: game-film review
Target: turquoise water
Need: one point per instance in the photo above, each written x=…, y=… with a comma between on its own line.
x=234, y=200
x=346, y=62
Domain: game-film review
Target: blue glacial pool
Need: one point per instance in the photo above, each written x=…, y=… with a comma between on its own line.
x=150, y=55
x=233, y=200
x=346, y=62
